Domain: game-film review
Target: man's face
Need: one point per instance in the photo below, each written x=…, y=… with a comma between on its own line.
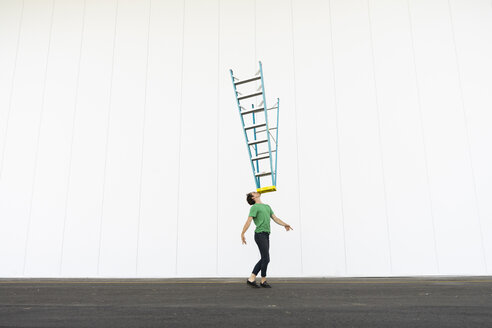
x=256, y=195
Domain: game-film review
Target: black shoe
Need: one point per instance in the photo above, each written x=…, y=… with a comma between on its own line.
x=252, y=284
x=265, y=285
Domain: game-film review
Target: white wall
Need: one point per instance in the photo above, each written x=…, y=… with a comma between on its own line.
x=122, y=155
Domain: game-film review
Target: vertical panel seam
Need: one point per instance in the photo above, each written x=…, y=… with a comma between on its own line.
x=70, y=157
x=297, y=132
x=426, y=161
x=256, y=58
x=467, y=134
x=14, y=71
x=143, y=140
x=381, y=151
x=107, y=138
x=38, y=136
x=218, y=137
x=338, y=136
x=179, y=135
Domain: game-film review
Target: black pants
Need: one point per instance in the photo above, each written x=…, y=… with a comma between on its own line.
x=263, y=241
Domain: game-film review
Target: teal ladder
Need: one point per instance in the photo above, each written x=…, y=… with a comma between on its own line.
x=260, y=127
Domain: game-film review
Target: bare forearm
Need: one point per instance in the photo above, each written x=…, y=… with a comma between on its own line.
x=280, y=222
x=246, y=227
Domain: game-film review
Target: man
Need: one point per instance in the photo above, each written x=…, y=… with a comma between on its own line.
x=260, y=214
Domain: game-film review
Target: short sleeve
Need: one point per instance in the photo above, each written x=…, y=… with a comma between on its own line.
x=253, y=211
x=271, y=211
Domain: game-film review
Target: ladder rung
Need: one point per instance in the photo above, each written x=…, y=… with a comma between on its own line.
x=273, y=150
x=254, y=142
x=250, y=95
x=248, y=80
x=255, y=110
x=262, y=174
x=259, y=125
x=265, y=130
x=256, y=158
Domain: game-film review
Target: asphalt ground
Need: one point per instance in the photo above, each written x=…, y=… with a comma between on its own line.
x=226, y=302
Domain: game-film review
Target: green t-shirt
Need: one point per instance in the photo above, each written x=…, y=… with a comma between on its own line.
x=261, y=214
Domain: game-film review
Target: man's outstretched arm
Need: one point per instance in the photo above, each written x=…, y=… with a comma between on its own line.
x=282, y=223
x=245, y=228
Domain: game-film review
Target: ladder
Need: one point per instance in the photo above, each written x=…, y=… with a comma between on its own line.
x=260, y=127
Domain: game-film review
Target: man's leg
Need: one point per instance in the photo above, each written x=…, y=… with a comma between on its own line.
x=262, y=246
x=263, y=241
x=257, y=267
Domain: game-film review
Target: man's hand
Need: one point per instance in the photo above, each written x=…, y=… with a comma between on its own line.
x=243, y=239
x=288, y=227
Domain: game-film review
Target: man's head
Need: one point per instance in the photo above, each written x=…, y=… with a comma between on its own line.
x=252, y=197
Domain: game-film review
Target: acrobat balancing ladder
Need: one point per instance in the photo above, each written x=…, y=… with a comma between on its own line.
x=258, y=122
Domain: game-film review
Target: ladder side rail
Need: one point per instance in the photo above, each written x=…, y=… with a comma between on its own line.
x=266, y=121
x=257, y=180
x=276, y=143
x=256, y=145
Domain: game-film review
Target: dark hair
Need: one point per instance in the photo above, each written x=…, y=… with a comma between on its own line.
x=249, y=199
